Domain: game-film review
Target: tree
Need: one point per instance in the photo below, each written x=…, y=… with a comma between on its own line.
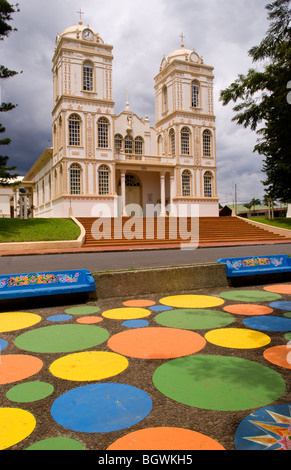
x=262, y=100
x=6, y=9
x=255, y=202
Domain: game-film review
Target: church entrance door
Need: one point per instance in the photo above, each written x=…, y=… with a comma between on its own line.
x=133, y=194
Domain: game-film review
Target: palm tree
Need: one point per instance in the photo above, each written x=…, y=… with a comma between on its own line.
x=255, y=202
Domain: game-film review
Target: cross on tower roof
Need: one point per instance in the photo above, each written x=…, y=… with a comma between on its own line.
x=127, y=101
x=182, y=39
x=80, y=13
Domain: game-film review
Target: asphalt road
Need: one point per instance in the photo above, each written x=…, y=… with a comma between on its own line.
x=132, y=259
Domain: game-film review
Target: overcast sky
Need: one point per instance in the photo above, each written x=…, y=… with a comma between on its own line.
x=141, y=32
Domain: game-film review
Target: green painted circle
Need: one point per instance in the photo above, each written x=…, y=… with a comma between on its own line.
x=61, y=338
x=194, y=319
x=250, y=296
x=287, y=314
x=29, y=392
x=84, y=310
x=57, y=443
x=288, y=336
x=219, y=383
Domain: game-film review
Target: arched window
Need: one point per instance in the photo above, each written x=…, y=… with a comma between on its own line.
x=74, y=130
x=185, y=141
x=43, y=192
x=56, y=189
x=172, y=142
x=165, y=99
x=160, y=145
x=50, y=187
x=138, y=146
x=128, y=144
x=195, y=95
x=103, y=127
x=103, y=179
x=75, y=179
x=207, y=143
x=61, y=179
x=88, y=76
x=207, y=184
x=118, y=142
x=60, y=133
x=131, y=180
x=186, y=183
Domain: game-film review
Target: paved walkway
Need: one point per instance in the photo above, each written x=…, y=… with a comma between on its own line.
x=210, y=370
x=104, y=261
x=138, y=247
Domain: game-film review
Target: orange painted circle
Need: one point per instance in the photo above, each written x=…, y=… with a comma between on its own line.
x=279, y=289
x=164, y=438
x=279, y=355
x=139, y=303
x=15, y=367
x=89, y=320
x=156, y=343
x=248, y=309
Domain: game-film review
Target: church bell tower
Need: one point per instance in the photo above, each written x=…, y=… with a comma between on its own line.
x=185, y=126
x=82, y=96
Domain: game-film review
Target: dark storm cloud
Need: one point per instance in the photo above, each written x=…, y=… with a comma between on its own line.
x=142, y=32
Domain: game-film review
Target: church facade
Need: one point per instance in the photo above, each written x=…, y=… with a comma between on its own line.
x=103, y=164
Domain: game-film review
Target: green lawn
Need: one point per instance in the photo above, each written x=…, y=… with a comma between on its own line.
x=32, y=230
x=281, y=222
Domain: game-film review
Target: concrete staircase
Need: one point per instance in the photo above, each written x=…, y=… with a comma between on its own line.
x=212, y=231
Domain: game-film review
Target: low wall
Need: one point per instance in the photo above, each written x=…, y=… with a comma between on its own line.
x=172, y=280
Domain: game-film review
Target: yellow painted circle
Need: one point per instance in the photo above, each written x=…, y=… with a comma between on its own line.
x=11, y=321
x=126, y=313
x=15, y=425
x=237, y=338
x=192, y=301
x=89, y=365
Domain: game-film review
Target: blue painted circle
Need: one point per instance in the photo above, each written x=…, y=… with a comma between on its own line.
x=281, y=305
x=3, y=344
x=160, y=308
x=100, y=408
x=262, y=430
x=135, y=323
x=62, y=317
x=268, y=323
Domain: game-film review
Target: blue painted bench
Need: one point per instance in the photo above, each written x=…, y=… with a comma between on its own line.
x=15, y=286
x=249, y=266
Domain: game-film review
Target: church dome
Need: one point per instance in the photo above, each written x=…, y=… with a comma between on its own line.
x=185, y=54
x=182, y=54
x=80, y=31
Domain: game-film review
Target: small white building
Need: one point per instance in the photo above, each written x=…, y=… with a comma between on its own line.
x=102, y=163
x=9, y=198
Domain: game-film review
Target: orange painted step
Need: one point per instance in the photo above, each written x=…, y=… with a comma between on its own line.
x=211, y=230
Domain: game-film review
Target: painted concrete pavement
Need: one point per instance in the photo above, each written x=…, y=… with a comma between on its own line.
x=203, y=371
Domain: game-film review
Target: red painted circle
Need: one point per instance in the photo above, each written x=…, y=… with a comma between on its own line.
x=279, y=289
x=139, y=303
x=165, y=438
x=248, y=309
x=15, y=367
x=89, y=320
x=156, y=343
x=279, y=355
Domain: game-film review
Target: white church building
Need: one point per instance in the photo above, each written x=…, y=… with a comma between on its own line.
x=107, y=164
